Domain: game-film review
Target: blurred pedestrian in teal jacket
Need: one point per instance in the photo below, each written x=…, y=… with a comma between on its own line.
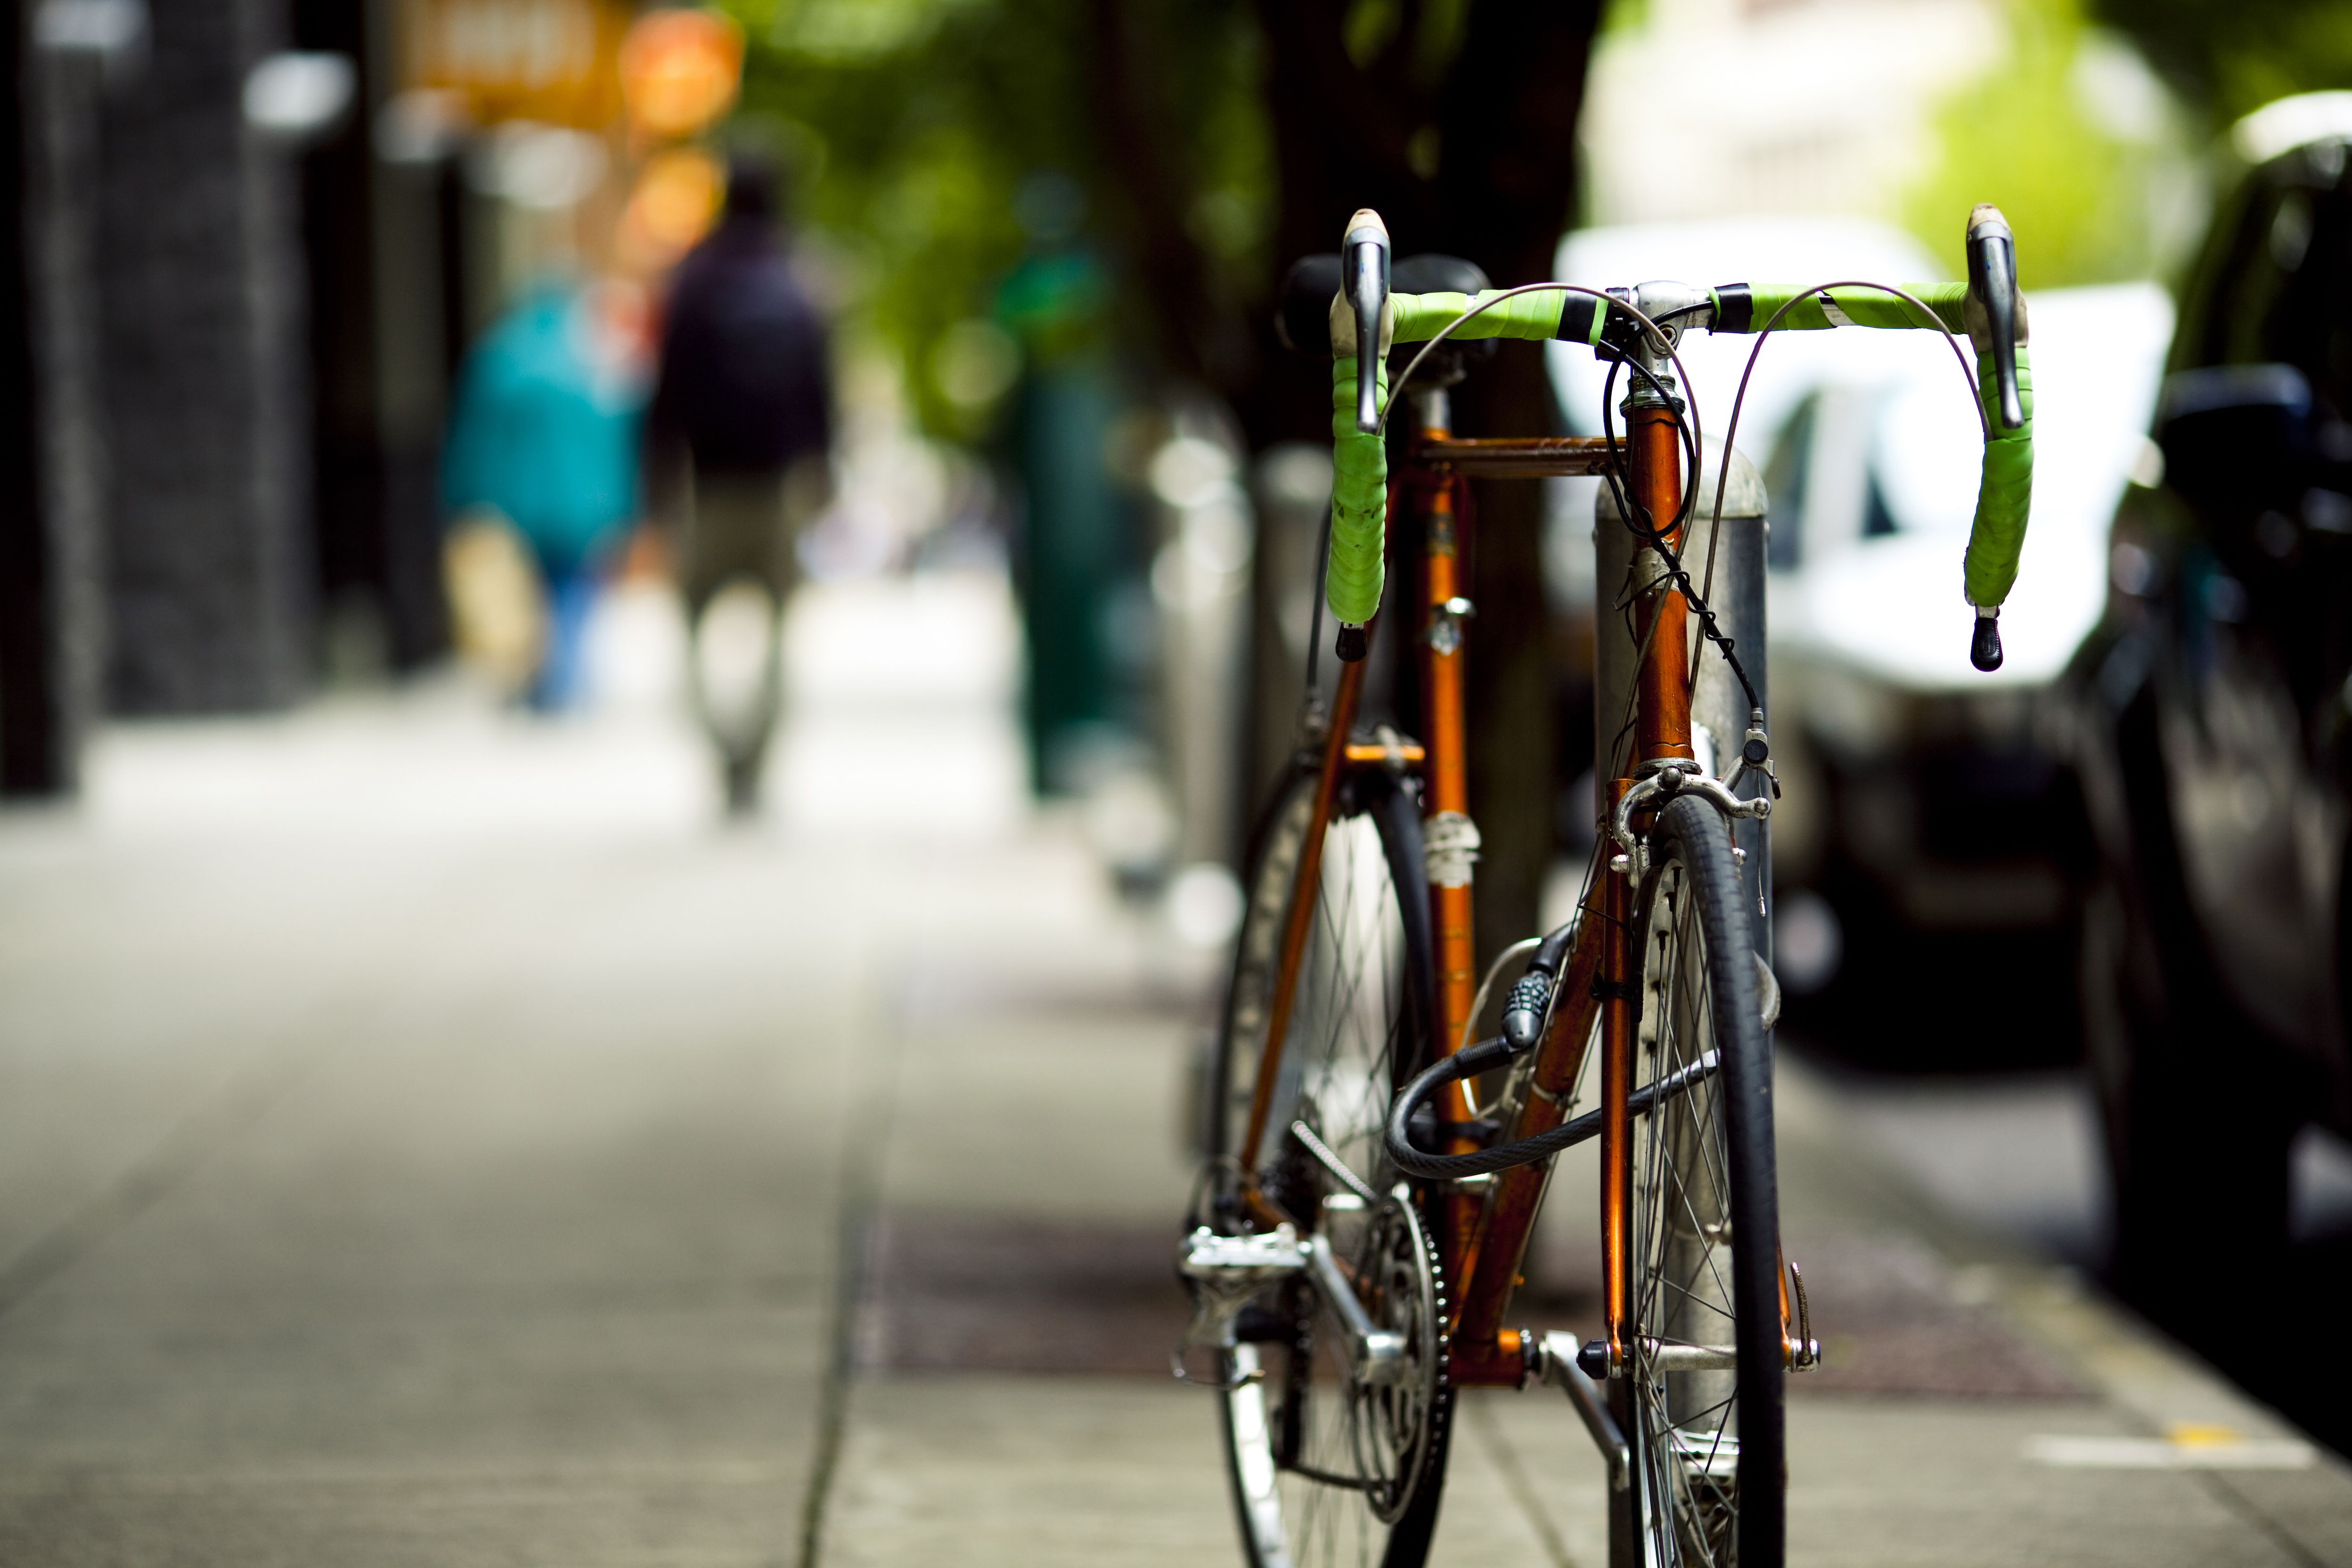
x=545, y=432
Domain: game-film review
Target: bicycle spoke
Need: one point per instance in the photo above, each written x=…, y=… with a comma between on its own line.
x=1699, y=1415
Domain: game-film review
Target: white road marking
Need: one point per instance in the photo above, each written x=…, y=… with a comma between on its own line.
x=2166, y=1454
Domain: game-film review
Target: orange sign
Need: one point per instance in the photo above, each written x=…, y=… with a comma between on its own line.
x=680, y=71
x=549, y=61
x=675, y=199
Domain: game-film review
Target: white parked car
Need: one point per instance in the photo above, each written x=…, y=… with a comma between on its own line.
x=1921, y=799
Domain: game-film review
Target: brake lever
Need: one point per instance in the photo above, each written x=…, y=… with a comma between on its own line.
x=1992, y=293
x=1993, y=279
x=1364, y=279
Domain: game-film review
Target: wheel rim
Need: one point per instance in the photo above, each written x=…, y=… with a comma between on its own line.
x=1688, y=1422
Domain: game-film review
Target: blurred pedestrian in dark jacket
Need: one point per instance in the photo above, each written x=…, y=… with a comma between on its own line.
x=741, y=423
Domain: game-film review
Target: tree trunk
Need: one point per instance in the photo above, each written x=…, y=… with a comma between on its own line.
x=1503, y=118
x=1465, y=144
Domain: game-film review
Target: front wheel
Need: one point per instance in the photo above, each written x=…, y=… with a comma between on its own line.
x=1709, y=1444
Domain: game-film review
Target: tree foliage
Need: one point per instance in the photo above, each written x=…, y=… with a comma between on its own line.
x=2075, y=141
x=2106, y=177
x=2228, y=60
x=1212, y=141
x=917, y=127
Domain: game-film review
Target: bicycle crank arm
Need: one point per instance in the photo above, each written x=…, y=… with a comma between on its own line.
x=1377, y=1355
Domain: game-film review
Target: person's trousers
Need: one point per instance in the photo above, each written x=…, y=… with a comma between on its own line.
x=739, y=528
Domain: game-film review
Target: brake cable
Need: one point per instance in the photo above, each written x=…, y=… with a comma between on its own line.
x=1975, y=396
x=1692, y=439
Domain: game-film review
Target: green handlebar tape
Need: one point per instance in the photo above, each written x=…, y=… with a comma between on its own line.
x=1360, y=462
x=1359, y=501
x=2005, y=498
x=1819, y=308
x=1535, y=315
x=1538, y=314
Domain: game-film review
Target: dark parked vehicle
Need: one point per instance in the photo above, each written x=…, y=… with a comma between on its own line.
x=2212, y=721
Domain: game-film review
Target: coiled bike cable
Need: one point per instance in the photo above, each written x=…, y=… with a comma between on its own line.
x=1484, y=1056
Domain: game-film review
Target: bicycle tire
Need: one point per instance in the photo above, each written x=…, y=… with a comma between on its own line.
x=1705, y=1159
x=1359, y=1028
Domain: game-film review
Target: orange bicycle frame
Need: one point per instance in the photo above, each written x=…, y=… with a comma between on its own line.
x=1486, y=1247
x=1484, y=1238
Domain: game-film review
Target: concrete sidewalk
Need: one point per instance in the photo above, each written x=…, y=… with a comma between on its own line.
x=1978, y=1407
x=439, y=1200
x=425, y=1137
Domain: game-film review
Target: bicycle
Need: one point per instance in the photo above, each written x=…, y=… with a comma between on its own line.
x=1364, y=1215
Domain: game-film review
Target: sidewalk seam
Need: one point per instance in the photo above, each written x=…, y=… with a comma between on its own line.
x=860, y=1184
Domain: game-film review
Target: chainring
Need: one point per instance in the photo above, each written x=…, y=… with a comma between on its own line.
x=1396, y=1424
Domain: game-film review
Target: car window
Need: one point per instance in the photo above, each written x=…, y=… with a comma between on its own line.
x=2274, y=288
x=1784, y=488
x=1877, y=522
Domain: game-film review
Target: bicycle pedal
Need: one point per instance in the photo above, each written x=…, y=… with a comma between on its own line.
x=1226, y=1271
x=1206, y=1255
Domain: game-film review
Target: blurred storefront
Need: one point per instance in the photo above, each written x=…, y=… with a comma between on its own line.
x=252, y=240
x=483, y=163
x=156, y=542
x=50, y=518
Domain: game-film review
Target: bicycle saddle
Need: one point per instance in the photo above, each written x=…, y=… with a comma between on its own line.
x=1302, y=318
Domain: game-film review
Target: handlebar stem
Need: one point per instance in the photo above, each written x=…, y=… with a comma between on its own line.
x=1675, y=306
